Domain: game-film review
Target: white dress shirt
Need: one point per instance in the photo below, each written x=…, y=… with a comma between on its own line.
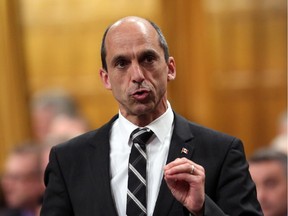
x=157, y=152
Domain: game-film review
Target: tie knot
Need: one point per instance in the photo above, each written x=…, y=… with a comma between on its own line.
x=141, y=135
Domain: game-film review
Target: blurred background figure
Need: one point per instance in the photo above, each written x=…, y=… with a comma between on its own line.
x=45, y=106
x=268, y=169
x=22, y=181
x=2, y=202
x=64, y=127
x=56, y=118
x=280, y=140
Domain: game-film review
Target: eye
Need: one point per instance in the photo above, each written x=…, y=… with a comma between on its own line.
x=121, y=63
x=149, y=59
x=270, y=183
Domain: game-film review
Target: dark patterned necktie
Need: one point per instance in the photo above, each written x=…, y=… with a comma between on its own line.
x=136, y=193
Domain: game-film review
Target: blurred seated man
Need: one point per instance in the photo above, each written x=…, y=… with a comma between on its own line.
x=45, y=106
x=22, y=182
x=268, y=169
x=64, y=127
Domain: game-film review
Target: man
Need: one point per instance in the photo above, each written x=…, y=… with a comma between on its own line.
x=206, y=172
x=22, y=182
x=269, y=172
x=46, y=106
x=64, y=127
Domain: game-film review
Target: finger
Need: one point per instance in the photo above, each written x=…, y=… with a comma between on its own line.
x=185, y=177
x=179, y=161
x=192, y=169
x=183, y=166
x=176, y=162
x=180, y=168
x=196, y=169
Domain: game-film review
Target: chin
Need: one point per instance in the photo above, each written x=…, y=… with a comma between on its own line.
x=142, y=109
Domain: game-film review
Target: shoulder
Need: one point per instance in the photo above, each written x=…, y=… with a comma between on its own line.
x=82, y=142
x=9, y=212
x=207, y=137
x=200, y=130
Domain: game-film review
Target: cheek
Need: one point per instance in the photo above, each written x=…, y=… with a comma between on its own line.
x=159, y=85
x=283, y=191
x=161, y=82
x=118, y=88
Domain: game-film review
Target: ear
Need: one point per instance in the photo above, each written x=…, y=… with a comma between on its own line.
x=171, y=69
x=105, y=78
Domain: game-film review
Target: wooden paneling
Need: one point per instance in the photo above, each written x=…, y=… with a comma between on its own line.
x=14, y=115
x=250, y=76
x=185, y=29
x=231, y=63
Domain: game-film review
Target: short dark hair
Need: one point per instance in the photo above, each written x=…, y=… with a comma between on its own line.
x=29, y=148
x=269, y=154
x=162, y=41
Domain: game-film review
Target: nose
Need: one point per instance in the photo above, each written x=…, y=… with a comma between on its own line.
x=260, y=195
x=137, y=75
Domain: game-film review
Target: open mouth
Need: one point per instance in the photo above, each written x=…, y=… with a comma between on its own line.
x=140, y=95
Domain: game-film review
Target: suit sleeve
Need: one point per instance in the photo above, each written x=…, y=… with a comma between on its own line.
x=56, y=200
x=236, y=192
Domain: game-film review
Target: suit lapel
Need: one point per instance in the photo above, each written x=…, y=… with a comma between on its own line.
x=99, y=158
x=181, y=146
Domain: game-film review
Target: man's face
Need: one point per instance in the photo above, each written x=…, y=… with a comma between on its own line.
x=21, y=182
x=137, y=71
x=41, y=119
x=271, y=184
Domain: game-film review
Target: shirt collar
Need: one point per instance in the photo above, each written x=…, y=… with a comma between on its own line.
x=160, y=126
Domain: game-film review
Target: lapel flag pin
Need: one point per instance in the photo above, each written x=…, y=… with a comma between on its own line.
x=184, y=150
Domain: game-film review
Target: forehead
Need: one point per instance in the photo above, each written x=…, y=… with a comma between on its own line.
x=127, y=34
x=17, y=162
x=266, y=168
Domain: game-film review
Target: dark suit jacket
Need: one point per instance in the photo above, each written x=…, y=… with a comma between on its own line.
x=78, y=174
x=11, y=212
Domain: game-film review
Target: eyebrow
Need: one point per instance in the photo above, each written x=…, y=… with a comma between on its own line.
x=149, y=52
